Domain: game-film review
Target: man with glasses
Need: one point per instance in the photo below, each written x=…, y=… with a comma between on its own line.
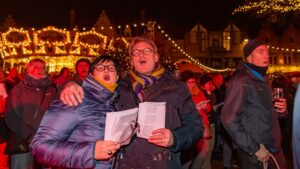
x=150, y=82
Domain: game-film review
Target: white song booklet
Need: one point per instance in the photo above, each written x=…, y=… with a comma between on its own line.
x=120, y=126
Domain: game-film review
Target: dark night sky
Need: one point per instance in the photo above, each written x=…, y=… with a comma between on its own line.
x=177, y=16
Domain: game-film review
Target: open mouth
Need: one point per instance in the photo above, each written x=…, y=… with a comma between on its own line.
x=142, y=62
x=106, y=77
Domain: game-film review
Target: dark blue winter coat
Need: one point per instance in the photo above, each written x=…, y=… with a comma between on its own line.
x=67, y=134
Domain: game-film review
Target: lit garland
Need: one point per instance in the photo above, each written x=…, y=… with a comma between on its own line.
x=262, y=7
x=194, y=61
x=92, y=33
x=76, y=47
x=23, y=33
x=284, y=49
x=38, y=40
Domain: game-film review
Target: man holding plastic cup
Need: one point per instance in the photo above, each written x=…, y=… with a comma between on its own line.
x=248, y=115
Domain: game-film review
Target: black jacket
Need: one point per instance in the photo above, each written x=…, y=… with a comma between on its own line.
x=248, y=114
x=181, y=117
x=22, y=106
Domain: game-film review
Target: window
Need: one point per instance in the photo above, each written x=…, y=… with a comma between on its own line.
x=287, y=58
x=237, y=37
x=203, y=41
x=215, y=43
x=193, y=37
x=226, y=40
x=273, y=58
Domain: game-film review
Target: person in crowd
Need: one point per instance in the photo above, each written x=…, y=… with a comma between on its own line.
x=248, y=115
x=79, y=131
x=64, y=76
x=296, y=134
x=190, y=78
x=26, y=104
x=12, y=79
x=223, y=142
x=205, y=146
x=82, y=67
x=3, y=127
x=286, y=120
x=150, y=82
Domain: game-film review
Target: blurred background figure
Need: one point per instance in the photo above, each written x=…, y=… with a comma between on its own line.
x=26, y=104
x=12, y=79
x=205, y=146
x=191, y=80
x=286, y=119
x=82, y=67
x=3, y=127
x=296, y=133
x=64, y=76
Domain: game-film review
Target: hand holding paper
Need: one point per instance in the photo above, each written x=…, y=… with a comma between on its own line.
x=151, y=116
x=121, y=126
x=105, y=149
x=162, y=137
x=202, y=104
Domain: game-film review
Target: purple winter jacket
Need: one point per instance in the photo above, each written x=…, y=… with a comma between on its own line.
x=67, y=134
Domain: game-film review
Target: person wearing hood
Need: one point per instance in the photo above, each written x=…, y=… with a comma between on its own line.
x=248, y=115
x=26, y=104
x=73, y=136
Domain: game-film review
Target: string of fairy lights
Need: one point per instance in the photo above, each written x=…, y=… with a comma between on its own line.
x=173, y=42
x=180, y=49
x=263, y=6
x=284, y=49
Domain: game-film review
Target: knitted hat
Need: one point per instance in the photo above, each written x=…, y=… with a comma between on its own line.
x=251, y=46
x=204, y=79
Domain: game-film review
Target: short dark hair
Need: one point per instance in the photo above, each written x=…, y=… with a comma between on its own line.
x=82, y=60
x=104, y=58
x=204, y=79
x=35, y=60
x=186, y=75
x=62, y=70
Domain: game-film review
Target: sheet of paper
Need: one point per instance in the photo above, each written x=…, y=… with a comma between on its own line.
x=151, y=116
x=201, y=103
x=119, y=125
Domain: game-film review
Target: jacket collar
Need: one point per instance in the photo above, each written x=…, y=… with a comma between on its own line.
x=96, y=89
x=253, y=73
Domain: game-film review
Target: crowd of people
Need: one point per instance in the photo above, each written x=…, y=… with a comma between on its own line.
x=59, y=121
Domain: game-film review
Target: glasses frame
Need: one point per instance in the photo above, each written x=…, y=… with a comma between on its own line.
x=108, y=67
x=145, y=52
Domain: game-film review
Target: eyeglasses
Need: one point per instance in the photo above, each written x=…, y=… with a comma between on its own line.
x=101, y=68
x=146, y=51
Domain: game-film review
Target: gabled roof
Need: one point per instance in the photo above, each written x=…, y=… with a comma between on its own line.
x=232, y=27
x=198, y=28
